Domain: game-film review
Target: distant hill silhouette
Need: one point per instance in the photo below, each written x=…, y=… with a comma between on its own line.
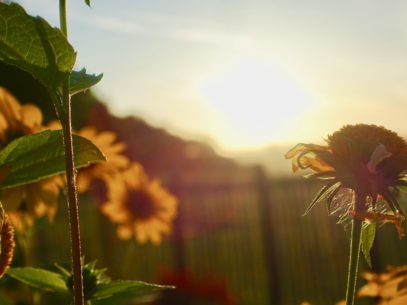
x=160, y=152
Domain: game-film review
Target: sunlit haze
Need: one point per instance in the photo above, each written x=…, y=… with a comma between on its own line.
x=241, y=74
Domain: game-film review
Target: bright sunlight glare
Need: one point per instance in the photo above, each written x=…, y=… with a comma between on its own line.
x=258, y=103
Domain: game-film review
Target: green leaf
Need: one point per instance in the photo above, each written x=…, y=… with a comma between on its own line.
x=125, y=299
x=323, y=194
x=31, y=44
x=80, y=81
x=87, y=2
x=39, y=278
x=41, y=155
x=120, y=288
x=368, y=235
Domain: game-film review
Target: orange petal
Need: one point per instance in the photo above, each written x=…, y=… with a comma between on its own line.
x=124, y=232
x=3, y=127
x=13, y=197
x=31, y=115
x=10, y=108
x=315, y=164
x=301, y=147
x=54, y=125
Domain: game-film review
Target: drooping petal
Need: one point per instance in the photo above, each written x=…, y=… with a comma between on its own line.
x=301, y=147
x=308, y=156
x=314, y=163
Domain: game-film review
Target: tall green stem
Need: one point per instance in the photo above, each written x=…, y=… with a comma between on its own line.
x=354, y=255
x=65, y=117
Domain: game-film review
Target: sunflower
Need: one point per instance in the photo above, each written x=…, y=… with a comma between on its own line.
x=106, y=141
x=368, y=160
x=17, y=120
x=95, y=177
x=140, y=206
x=36, y=199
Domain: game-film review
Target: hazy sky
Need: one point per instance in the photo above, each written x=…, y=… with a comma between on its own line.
x=245, y=74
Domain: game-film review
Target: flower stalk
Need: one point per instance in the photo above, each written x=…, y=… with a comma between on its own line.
x=65, y=118
x=354, y=253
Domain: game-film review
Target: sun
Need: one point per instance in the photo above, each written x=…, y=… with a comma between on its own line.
x=258, y=103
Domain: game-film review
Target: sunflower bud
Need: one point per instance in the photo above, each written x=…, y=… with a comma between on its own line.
x=7, y=245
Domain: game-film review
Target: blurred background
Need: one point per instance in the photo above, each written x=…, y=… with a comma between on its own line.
x=208, y=97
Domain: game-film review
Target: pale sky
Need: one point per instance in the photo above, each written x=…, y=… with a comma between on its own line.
x=245, y=74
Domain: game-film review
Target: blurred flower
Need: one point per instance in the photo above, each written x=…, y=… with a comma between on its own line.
x=7, y=244
x=390, y=287
x=21, y=221
x=17, y=120
x=106, y=142
x=140, y=207
x=190, y=290
x=36, y=199
x=367, y=159
x=94, y=178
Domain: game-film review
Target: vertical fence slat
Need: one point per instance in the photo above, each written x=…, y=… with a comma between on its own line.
x=267, y=228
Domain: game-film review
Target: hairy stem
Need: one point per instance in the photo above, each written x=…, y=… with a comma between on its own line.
x=354, y=255
x=65, y=117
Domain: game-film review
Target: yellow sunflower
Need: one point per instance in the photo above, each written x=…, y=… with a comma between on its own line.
x=369, y=160
x=37, y=199
x=139, y=206
x=97, y=175
x=17, y=120
x=106, y=141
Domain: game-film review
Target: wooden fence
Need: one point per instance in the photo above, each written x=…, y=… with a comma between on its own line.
x=247, y=230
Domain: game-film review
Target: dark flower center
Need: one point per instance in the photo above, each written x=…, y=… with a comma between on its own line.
x=141, y=204
x=353, y=146
x=98, y=191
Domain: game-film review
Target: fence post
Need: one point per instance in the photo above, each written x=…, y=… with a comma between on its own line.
x=271, y=259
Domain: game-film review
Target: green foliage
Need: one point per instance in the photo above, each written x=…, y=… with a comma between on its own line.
x=367, y=239
x=31, y=44
x=92, y=277
x=39, y=278
x=116, y=289
x=80, y=81
x=38, y=156
x=87, y=2
x=98, y=287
